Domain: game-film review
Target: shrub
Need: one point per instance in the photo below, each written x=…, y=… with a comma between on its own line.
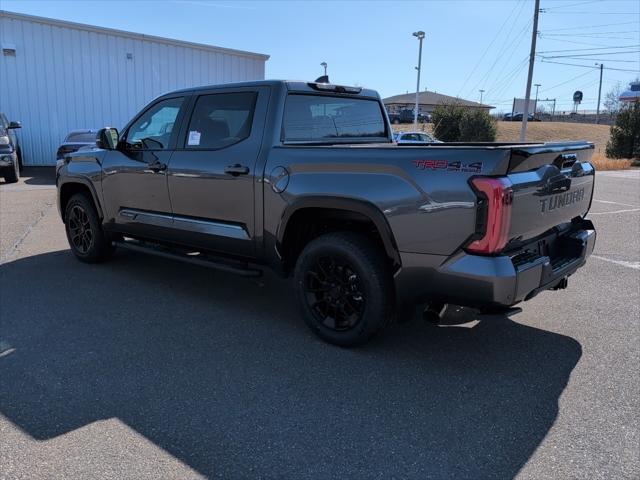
x=446, y=122
x=625, y=134
x=478, y=126
x=454, y=123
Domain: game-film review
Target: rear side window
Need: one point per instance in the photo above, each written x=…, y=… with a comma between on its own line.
x=321, y=117
x=221, y=120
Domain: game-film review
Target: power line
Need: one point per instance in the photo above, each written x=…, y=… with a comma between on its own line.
x=579, y=55
x=545, y=10
x=588, y=49
x=590, y=34
x=591, y=26
x=561, y=40
x=594, y=13
x=565, y=82
x=490, y=45
x=520, y=36
x=589, y=66
x=504, y=48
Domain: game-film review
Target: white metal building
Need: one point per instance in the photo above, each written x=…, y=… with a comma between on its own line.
x=59, y=76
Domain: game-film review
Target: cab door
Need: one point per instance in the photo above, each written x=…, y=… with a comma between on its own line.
x=212, y=174
x=134, y=184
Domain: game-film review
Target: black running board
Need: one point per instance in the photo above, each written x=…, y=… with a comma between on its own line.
x=203, y=261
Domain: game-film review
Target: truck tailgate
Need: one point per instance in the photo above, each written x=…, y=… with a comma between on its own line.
x=552, y=184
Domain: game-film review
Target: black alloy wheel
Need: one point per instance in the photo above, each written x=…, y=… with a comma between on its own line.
x=80, y=232
x=344, y=288
x=334, y=293
x=87, y=239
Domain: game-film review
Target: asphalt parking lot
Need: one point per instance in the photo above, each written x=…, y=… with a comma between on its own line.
x=145, y=368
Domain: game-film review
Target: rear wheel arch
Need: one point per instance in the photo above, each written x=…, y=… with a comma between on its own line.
x=310, y=217
x=69, y=189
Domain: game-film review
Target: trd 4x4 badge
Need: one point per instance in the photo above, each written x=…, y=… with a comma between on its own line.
x=473, y=167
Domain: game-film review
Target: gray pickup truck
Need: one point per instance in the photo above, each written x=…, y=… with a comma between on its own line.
x=304, y=178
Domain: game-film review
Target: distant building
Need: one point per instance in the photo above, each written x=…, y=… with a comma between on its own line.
x=631, y=95
x=427, y=102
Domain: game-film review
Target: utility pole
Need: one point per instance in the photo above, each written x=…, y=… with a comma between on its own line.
x=532, y=59
x=420, y=36
x=481, y=93
x=599, y=92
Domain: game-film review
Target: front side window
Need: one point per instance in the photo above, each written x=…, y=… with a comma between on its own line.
x=221, y=120
x=325, y=118
x=152, y=131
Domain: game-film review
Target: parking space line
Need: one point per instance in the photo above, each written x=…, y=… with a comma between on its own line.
x=615, y=211
x=623, y=263
x=616, y=203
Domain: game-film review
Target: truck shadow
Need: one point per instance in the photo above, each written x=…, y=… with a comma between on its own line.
x=220, y=372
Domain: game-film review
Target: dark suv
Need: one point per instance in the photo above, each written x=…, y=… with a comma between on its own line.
x=10, y=152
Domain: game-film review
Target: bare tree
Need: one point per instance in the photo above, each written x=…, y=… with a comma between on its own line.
x=612, y=99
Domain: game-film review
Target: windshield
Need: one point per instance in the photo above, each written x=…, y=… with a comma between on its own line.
x=82, y=137
x=320, y=118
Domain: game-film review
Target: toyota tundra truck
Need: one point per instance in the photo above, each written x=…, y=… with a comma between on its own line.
x=304, y=178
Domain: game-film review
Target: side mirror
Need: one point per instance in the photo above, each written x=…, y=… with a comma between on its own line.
x=107, y=138
x=14, y=125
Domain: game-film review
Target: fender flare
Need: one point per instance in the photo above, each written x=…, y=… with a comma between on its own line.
x=84, y=182
x=362, y=207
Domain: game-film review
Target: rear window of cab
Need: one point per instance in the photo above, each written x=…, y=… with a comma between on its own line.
x=332, y=119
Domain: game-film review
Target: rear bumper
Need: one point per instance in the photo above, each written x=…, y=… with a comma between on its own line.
x=504, y=280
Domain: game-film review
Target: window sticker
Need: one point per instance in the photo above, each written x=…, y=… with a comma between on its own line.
x=194, y=138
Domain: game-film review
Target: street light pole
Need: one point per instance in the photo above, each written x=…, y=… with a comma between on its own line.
x=420, y=36
x=599, y=92
x=481, y=92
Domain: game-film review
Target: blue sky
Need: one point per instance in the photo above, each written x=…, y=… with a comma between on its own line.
x=470, y=45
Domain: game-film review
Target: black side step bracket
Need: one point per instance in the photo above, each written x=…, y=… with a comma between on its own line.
x=194, y=258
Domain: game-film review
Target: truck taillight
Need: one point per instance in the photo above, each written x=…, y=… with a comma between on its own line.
x=496, y=198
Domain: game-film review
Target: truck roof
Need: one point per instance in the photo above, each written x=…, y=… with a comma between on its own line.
x=291, y=85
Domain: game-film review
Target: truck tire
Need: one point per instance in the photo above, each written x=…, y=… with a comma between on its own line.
x=87, y=239
x=12, y=174
x=20, y=163
x=344, y=288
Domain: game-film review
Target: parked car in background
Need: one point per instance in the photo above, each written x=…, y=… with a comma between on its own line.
x=10, y=152
x=518, y=116
x=75, y=140
x=407, y=116
x=408, y=138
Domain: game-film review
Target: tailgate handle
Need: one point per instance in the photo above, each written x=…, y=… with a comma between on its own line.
x=565, y=160
x=557, y=183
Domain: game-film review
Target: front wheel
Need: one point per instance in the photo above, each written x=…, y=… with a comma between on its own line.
x=344, y=288
x=12, y=173
x=88, y=241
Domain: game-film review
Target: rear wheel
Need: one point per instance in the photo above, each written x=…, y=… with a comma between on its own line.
x=88, y=241
x=344, y=288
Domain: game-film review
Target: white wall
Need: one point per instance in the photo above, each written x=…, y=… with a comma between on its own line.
x=64, y=77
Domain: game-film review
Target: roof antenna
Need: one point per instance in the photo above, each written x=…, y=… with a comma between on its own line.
x=322, y=79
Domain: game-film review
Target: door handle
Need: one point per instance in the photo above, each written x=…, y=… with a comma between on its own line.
x=157, y=167
x=236, y=169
